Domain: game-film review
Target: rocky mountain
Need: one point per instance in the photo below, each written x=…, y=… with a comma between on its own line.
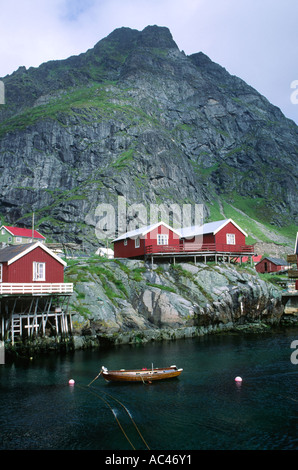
x=136, y=117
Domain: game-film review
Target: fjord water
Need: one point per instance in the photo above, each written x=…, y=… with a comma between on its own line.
x=203, y=409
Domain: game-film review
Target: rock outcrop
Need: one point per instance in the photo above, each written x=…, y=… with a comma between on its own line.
x=127, y=301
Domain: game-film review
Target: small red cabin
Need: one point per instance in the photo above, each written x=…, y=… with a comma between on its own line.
x=137, y=243
x=30, y=263
x=271, y=265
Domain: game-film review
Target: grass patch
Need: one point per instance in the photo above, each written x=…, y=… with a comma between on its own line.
x=161, y=287
x=136, y=274
x=271, y=278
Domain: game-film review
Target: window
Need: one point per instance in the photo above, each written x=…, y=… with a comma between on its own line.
x=1, y=270
x=18, y=239
x=137, y=243
x=231, y=239
x=162, y=239
x=125, y=242
x=39, y=271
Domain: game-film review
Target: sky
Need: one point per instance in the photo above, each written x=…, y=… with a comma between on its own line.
x=256, y=40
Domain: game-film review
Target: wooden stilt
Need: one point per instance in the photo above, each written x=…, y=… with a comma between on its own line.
x=26, y=316
x=56, y=323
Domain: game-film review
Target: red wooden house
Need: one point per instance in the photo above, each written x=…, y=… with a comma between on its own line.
x=137, y=243
x=31, y=268
x=221, y=237
x=33, y=297
x=271, y=265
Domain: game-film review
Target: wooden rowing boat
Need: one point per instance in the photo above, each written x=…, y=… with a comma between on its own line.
x=140, y=375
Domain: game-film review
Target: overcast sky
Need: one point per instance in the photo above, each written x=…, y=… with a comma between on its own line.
x=257, y=40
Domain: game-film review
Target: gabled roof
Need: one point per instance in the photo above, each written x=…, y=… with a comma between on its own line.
x=210, y=227
x=12, y=253
x=22, y=232
x=141, y=232
x=276, y=261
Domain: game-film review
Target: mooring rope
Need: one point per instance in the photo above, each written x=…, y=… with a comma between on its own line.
x=114, y=414
x=133, y=422
x=121, y=404
x=94, y=379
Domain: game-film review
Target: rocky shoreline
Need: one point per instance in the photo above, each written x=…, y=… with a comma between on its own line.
x=129, y=302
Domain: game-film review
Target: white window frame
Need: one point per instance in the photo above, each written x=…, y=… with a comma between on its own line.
x=231, y=239
x=125, y=242
x=162, y=239
x=19, y=239
x=137, y=243
x=39, y=271
x=1, y=271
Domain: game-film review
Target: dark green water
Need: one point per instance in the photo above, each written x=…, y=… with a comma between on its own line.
x=203, y=409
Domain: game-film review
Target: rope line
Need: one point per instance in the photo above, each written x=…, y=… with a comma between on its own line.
x=123, y=406
x=114, y=414
x=91, y=390
x=133, y=422
x=94, y=379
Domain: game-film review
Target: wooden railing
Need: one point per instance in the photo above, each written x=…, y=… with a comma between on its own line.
x=199, y=248
x=36, y=288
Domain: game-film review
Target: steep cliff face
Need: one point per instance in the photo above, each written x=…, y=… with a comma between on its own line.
x=136, y=117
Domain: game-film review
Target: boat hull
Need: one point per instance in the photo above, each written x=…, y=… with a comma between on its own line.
x=140, y=375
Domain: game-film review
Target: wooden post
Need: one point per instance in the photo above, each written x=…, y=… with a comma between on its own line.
x=48, y=311
x=65, y=323
x=56, y=322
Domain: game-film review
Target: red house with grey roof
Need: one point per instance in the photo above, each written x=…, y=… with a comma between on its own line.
x=220, y=237
x=31, y=268
x=136, y=243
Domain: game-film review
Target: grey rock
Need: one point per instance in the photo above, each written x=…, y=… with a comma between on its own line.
x=177, y=307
